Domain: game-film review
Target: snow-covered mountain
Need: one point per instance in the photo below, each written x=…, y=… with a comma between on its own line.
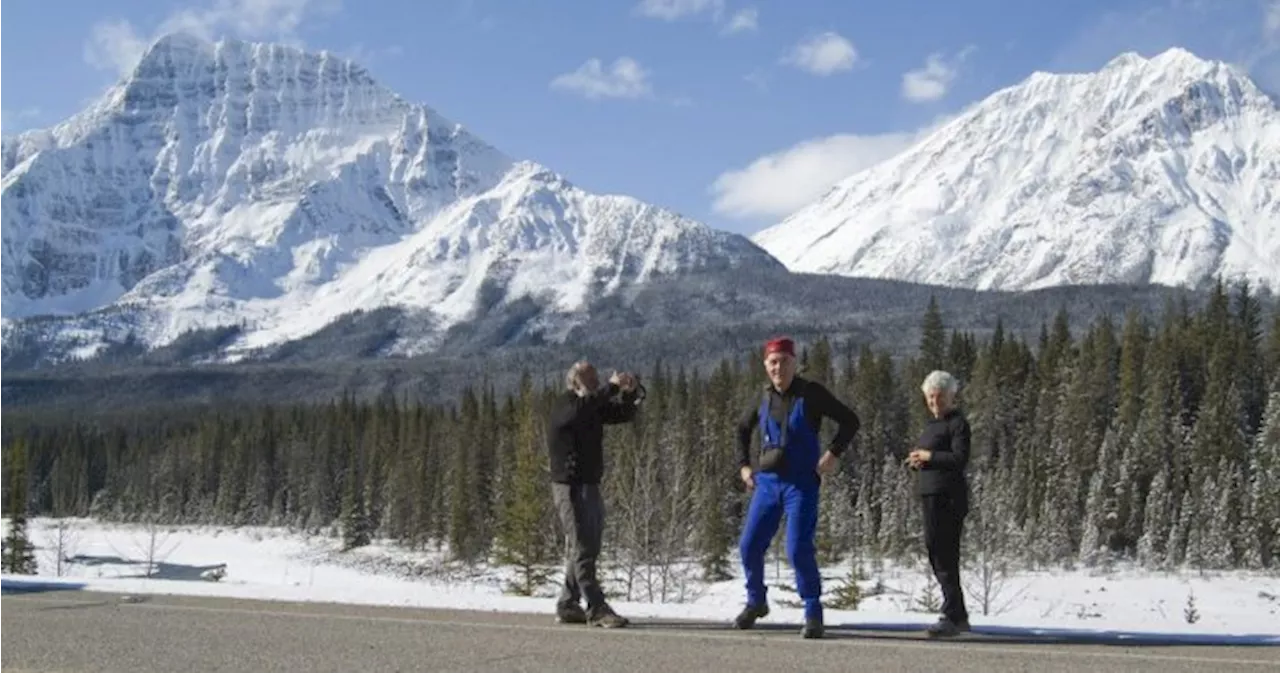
x=234, y=183
x=1162, y=170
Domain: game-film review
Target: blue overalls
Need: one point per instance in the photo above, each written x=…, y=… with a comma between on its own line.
x=793, y=490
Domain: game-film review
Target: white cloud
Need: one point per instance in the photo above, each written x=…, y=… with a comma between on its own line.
x=117, y=45
x=624, y=79
x=670, y=10
x=1271, y=21
x=777, y=184
x=744, y=20
x=114, y=45
x=823, y=54
x=366, y=56
x=8, y=118
x=931, y=82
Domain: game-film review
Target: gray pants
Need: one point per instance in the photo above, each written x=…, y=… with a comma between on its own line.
x=581, y=511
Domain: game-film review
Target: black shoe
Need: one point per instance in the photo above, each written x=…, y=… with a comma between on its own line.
x=571, y=614
x=812, y=629
x=747, y=618
x=945, y=628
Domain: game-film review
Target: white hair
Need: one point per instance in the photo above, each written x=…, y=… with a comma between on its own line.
x=940, y=380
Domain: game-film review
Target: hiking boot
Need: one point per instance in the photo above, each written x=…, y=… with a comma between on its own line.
x=812, y=629
x=571, y=614
x=945, y=628
x=747, y=618
x=607, y=618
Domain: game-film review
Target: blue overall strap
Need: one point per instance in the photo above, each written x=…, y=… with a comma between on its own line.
x=765, y=439
x=765, y=417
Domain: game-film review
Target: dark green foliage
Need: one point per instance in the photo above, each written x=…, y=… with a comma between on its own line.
x=18, y=556
x=525, y=517
x=1093, y=437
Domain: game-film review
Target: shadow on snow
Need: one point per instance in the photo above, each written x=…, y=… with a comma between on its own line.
x=15, y=585
x=995, y=634
x=159, y=571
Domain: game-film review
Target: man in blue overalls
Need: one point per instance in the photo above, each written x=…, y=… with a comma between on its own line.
x=789, y=417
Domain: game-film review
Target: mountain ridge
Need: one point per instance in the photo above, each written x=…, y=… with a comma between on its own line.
x=237, y=183
x=1159, y=170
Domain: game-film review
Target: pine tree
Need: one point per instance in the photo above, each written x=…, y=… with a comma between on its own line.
x=356, y=531
x=1133, y=353
x=962, y=355
x=933, y=339
x=1157, y=520
x=1100, y=514
x=464, y=497
x=1192, y=521
x=1220, y=530
x=18, y=555
x=1264, y=488
x=1250, y=367
x=1271, y=354
x=720, y=495
x=522, y=538
x=1219, y=431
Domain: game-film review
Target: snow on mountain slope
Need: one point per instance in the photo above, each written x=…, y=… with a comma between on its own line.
x=1162, y=170
x=237, y=183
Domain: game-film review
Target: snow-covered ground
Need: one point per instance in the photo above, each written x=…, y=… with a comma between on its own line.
x=267, y=563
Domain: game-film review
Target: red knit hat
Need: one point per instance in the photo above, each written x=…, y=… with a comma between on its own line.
x=782, y=345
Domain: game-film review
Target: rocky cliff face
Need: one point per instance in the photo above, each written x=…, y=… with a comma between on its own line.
x=258, y=185
x=1162, y=170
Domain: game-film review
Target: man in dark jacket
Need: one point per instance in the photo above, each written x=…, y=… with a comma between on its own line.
x=789, y=417
x=575, y=443
x=941, y=456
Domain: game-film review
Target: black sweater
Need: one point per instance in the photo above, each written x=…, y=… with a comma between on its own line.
x=819, y=403
x=948, y=440
x=575, y=435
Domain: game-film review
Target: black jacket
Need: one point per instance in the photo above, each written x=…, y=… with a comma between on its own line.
x=819, y=403
x=575, y=435
x=948, y=440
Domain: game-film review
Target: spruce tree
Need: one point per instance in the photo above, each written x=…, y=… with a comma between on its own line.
x=1101, y=518
x=522, y=539
x=1133, y=351
x=933, y=339
x=356, y=531
x=1264, y=487
x=1271, y=354
x=18, y=555
x=1219, y=431
x=1250, y=367
x=1157, y=520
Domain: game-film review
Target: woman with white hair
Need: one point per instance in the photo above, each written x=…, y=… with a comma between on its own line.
x=940, y=457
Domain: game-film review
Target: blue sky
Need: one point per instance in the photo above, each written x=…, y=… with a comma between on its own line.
x=734, y=112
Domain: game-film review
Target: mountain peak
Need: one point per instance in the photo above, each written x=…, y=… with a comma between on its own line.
x=177, y=43
x=1171, y=57
x=1151, y=170
x=236, y=183
x=184, y=59
x=171, y=55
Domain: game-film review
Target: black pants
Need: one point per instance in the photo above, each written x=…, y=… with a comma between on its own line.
x=581, y=511
x=944, y=516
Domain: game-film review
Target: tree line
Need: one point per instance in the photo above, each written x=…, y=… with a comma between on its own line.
x=1153, y=439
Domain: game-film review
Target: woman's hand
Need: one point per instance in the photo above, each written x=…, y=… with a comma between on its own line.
x=918, y=458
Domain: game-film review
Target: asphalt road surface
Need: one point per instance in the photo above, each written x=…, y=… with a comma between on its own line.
x=90, y=631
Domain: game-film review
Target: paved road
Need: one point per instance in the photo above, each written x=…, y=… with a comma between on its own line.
x=89, y=631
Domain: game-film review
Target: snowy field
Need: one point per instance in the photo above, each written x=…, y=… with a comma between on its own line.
x=276, y=564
